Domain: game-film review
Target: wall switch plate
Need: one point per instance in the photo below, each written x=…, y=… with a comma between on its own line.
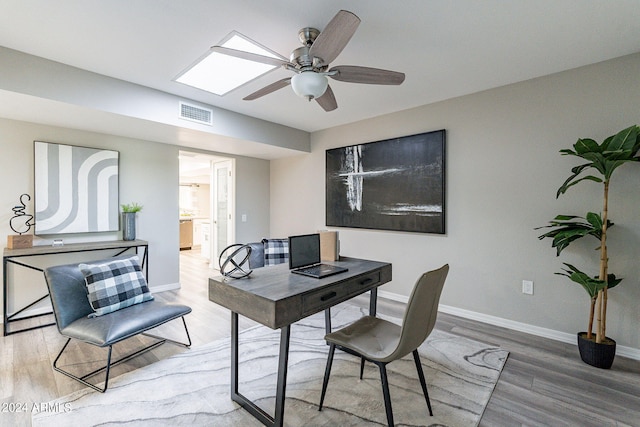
x=527, y=287
x=244, y=217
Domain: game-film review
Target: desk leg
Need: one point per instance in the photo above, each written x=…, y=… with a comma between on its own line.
x=373, y=302
x=234, y=354
x=327, y=320
x=283, y=362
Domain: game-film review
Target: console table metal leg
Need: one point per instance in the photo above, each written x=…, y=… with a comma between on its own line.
x=5, y=303
x=283, y=363
x=10, y=257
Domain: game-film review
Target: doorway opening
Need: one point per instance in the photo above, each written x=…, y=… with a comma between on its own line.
x=207, y=209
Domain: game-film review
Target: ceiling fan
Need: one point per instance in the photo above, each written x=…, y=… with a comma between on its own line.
x=310, y=63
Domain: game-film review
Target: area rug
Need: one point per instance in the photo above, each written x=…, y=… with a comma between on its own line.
x=192, y=387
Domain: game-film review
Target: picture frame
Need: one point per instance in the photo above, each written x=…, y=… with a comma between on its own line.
x=395, y=184
x=76, y=189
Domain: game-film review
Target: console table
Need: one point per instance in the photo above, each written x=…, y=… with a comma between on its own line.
x=17, y=257
x=275, y=297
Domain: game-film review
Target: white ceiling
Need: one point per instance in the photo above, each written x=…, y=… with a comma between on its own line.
x=446, y=48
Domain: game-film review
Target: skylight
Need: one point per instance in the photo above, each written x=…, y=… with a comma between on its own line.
x=220, y=74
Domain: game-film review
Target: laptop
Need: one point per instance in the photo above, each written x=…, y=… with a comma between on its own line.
x=304, y=257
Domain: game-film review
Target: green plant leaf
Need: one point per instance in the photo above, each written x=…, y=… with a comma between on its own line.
x=586, y=145
x=564, y=239
x=624, y=140
x=605, y=158
x=597, y=161
x=605, y=143
x=568, y=228
x=565, y=218
x=611, y=166
x=595, y=220
x=612, y=281
x=565, y=230
x=590, y=285
x=131, y=208
x=568, y=185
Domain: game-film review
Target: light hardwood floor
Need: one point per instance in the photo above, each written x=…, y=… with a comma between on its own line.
x=544, y=383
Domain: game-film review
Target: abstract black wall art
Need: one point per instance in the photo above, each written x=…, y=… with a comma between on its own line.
x=395, y=184
x=76, y=189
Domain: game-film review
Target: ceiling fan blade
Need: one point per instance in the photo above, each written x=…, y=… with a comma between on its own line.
x=250, y=56
x=372, y=76
x=268, y=89
x=328, y=100
x=335, y=36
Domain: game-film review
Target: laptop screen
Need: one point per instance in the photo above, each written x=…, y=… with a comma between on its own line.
x=304, y=250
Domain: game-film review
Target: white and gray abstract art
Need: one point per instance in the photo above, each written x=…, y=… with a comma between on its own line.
x=395, y=184
x=76, y=189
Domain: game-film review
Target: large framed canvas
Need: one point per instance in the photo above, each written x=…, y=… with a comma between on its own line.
x=76, y=189
x=396, y=184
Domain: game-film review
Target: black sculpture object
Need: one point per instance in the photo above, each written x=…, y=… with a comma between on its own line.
x=237, y=272
x=20, y=213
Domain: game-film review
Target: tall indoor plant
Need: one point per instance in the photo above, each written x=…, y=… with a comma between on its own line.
x=601, y=161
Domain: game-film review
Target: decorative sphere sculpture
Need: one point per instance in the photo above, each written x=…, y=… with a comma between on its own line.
x=231, y=267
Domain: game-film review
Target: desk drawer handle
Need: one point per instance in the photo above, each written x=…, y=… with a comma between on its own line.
x=366, y=281
x=328, y=296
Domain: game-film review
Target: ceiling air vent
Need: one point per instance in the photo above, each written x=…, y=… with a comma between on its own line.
x=196, y=114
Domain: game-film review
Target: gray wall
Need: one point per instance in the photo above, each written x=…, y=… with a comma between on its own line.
x=148, y=175
x=252, y=199
x=503, y=170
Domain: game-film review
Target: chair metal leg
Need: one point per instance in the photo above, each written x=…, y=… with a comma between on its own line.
x=327, y=372
x=423, y=383
x=385, y=392
x=107, y=367
x=82, y=379
x=186, y=330
x=361, y=367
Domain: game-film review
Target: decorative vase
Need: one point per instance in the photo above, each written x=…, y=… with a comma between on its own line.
x=128, y=226
x=600, y=355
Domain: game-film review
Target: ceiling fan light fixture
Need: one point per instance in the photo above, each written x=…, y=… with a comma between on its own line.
x=309, y=84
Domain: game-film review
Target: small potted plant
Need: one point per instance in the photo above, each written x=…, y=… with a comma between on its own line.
x=129, y=212
x=601, y=159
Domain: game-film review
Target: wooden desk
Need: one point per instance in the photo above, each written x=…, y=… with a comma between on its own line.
x=11, y=256
x=276, y=298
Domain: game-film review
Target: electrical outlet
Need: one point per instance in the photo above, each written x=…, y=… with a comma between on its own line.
x=527, y=287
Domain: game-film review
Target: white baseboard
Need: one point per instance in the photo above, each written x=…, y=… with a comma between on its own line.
x=163, y=288
x=630, y=352
x=393, y=296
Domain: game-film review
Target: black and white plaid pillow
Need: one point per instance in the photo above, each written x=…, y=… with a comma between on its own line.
x=276, y=251
x=114, y=285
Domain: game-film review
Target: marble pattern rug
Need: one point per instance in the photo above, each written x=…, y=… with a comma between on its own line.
x=192, y=387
